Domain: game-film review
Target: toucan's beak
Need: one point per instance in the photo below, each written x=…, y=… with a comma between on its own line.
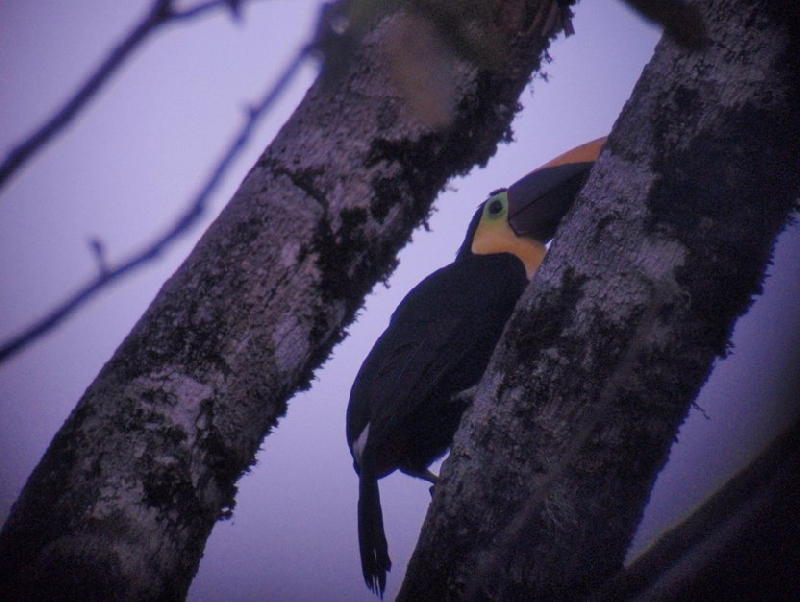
x=538, y=202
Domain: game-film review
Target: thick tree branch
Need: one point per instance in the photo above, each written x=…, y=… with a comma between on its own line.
x=517, y=530
x=161, y=12
x=126, y=495
x=660, y=255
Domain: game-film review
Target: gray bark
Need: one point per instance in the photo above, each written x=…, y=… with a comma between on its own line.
x=130, y=487
x=553, y=463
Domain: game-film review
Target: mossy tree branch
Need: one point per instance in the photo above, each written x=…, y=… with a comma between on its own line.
x=554, y=461
x=123, y=501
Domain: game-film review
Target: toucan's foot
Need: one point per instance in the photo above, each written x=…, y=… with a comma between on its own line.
x=425, y=475
x=430, y=477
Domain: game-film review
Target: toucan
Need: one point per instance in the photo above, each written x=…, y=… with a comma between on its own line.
x=404, y=405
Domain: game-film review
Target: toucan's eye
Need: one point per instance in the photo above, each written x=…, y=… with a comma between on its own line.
x=496, y=206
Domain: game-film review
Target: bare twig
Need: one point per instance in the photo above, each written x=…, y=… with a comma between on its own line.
x=161, y=12
x=195, y=209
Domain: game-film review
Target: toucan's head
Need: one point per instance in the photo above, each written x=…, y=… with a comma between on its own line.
x=523, y=218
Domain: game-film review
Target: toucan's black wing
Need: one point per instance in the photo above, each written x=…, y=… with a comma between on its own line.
x=438, y=343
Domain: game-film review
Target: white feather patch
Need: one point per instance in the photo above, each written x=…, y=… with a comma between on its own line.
x=359, y=444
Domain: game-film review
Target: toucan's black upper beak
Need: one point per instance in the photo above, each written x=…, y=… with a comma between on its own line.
x=537, y=202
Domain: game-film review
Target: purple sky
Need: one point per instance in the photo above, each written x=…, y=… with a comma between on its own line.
x=125, y=169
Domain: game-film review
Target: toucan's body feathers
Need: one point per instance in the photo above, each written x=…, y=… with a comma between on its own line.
x=438, y=340
x=404, y=408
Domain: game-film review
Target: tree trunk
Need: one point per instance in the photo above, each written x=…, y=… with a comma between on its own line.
x=553, y=463
x=130, y=487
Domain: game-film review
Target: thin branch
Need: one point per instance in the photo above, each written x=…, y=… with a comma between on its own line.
x=193, y=11
x=195, y=209
x=161, y=12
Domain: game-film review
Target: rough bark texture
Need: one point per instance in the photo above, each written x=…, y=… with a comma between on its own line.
x=553, y=464
x=126, y=495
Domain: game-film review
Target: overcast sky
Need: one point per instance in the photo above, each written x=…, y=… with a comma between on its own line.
x=126, y=168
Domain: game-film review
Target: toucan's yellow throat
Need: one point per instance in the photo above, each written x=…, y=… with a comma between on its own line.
x=494, y=235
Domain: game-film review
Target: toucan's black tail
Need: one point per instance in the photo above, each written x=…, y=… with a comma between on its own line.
x=375, y=562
